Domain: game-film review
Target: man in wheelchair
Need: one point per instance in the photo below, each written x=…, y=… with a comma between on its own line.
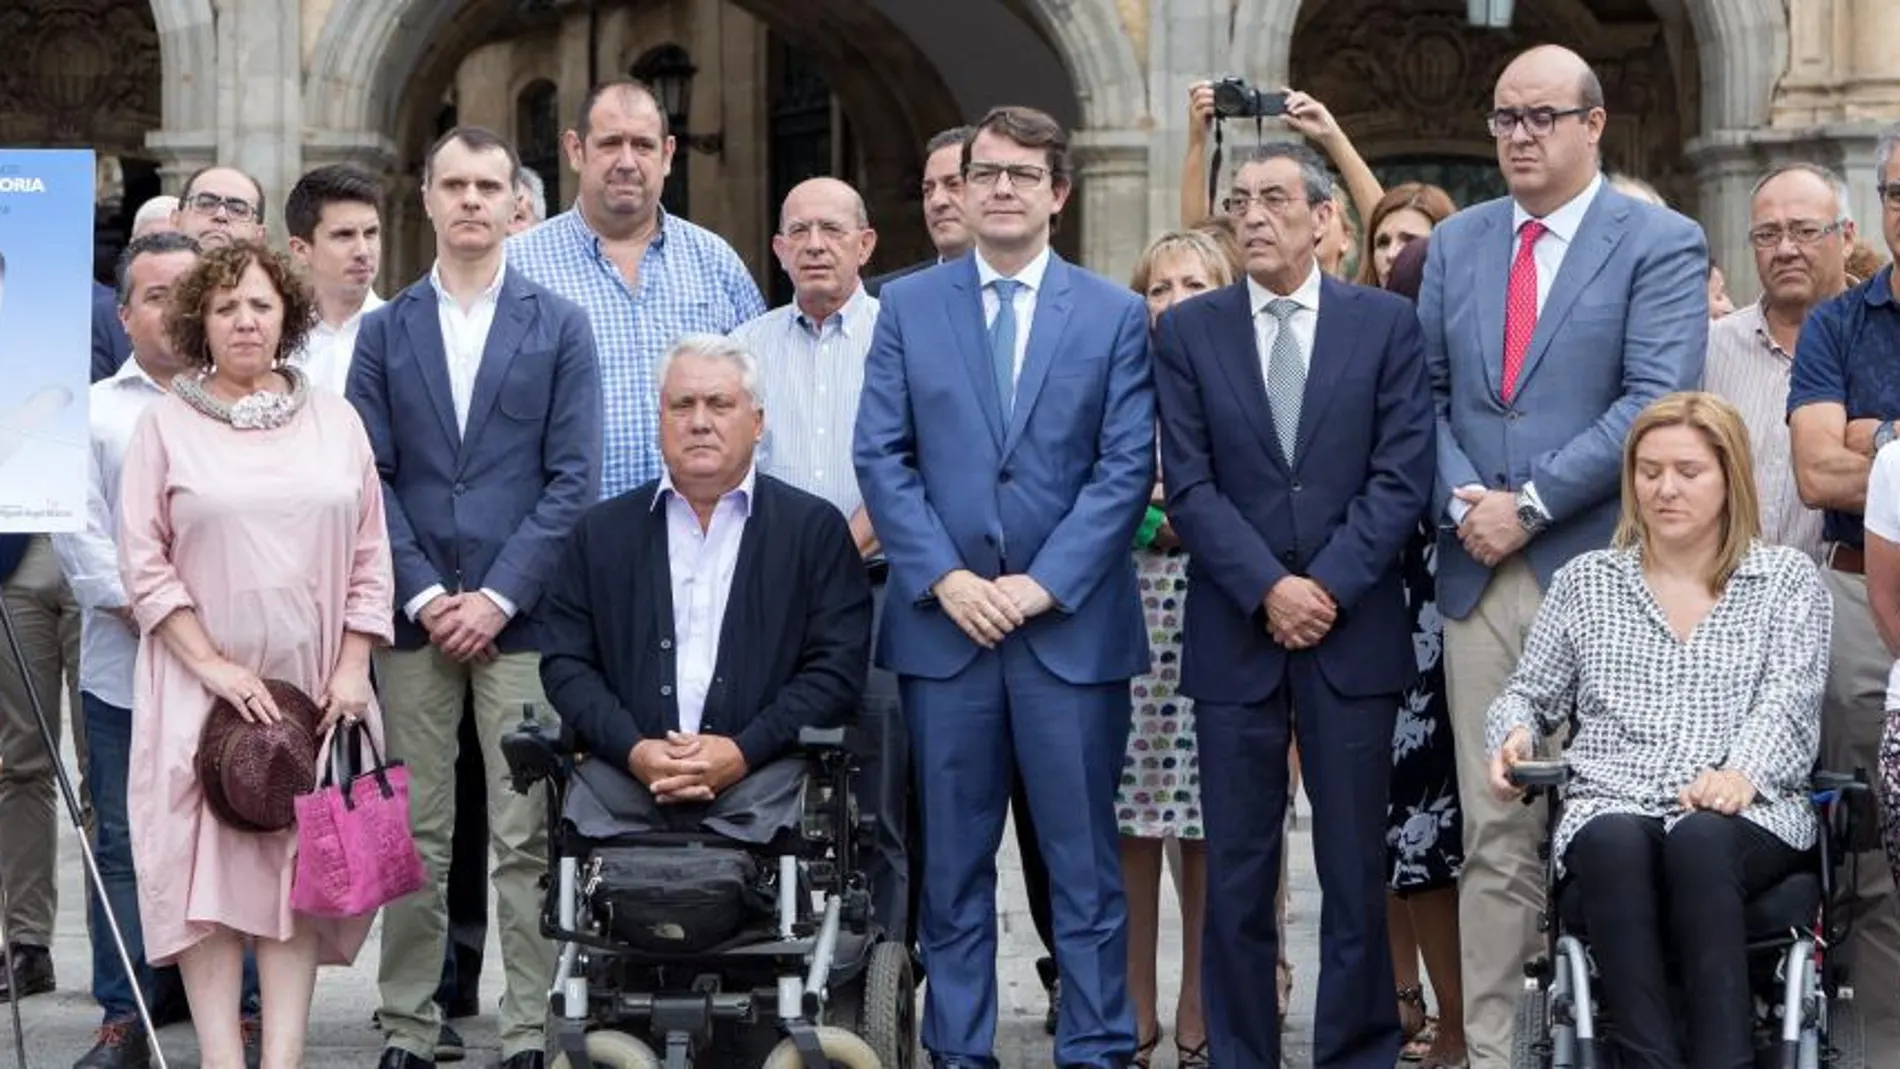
x=1689, y=661
x=696, y=627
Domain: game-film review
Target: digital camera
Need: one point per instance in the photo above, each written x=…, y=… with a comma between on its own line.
x=1235, y=99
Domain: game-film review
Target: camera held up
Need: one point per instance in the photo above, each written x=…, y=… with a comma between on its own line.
x=1235, y=99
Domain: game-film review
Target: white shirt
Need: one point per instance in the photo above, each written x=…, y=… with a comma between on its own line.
x=1883, y=520
x=327, y=352
x=108, y=646
x=464, y=336
x=1304, y=322
x=1024, y=303
x=701, y=563
x=811, y=379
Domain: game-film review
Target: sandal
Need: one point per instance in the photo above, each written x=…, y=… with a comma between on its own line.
x=1418, y=1041
x=1145, y=1052
x=1194, y=1057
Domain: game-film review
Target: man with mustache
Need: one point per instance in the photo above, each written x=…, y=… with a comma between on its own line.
x=644, y=277
x=1799, y=229
x=943, y=205
x=336, y=229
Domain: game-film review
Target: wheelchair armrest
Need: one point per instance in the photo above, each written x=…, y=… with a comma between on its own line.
x=534, y=753
x=1824, y=781
x=822, y=740
x=1540, y=774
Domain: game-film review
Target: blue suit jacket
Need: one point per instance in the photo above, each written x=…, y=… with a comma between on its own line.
x=1340, y=515
x=111, y=348
x=1626, y=321
x=492, y=507
x=1056, y=494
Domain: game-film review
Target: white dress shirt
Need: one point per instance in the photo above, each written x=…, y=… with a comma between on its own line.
x=702, y=563
x=326, y=353
x=811, y=378
x=1304, y=322
x=464, y=336
x=1024, y=303
x=108, y=646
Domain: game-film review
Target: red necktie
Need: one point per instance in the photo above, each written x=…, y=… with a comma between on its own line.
x=1520, y=304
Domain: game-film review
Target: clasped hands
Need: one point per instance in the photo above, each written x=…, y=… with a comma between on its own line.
x=1299, y=612
x=1715, y=790
x=463, y=626
x=1490, y=531
x=686, y=767
x=989, y=609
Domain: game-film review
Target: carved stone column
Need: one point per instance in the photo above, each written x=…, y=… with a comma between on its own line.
x=260, y=87
x=1111, y=178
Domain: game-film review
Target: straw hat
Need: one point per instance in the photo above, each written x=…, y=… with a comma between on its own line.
x=252, y=772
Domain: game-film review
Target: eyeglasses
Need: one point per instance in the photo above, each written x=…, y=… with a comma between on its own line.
x=1889, y=195
x=829, y=229
x=1275, y=201
x=210, y=203
x=1771, y=237
x=1538, y=122
x=1021, y=175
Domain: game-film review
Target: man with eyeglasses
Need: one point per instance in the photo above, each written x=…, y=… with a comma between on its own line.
x=1005, y=450
x=1843, y=407
x=220, y=206
x=943, y=205
x=1800, y=235
x=1551, y=316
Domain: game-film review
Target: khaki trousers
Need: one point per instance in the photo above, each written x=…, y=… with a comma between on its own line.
x=47, y=622
x=422, y=695
x=1502, y=888
x=1853, y=713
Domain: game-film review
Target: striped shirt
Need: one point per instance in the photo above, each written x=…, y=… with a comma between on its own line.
x=690, y=282
x=1749, y=370
x=810, y=380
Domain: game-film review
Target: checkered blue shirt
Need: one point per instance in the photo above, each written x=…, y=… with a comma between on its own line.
x=691, y=282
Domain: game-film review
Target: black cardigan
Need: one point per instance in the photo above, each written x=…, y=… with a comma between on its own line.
x=793, y=649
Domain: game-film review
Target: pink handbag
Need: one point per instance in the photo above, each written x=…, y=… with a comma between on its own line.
x=355, y=853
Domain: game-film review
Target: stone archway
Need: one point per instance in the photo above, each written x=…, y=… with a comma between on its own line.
x=188, y=47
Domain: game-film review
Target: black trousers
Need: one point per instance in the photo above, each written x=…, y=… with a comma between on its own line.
x=467, y=892
x=1649, y=895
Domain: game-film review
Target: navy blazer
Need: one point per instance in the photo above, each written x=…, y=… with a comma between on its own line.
x=1056, y=494
x=1341, y=515
x=111, y=348
x=488, y=508
x=793, y=646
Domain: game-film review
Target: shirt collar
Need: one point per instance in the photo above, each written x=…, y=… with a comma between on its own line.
x=1753, y=318
x=131, y=372
x=1030, y=276
x=857, y=312
x=1306, y=295
x=585, y=233
x=743, y=491
x=490, y=293
x=371, y=302
x=1567, y=218
x=1879, y=289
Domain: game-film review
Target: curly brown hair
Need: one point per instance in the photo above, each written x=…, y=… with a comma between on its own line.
x=221, y=269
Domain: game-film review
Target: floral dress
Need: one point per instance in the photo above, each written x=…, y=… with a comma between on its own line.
x=1424, y=834
x=1160, y=792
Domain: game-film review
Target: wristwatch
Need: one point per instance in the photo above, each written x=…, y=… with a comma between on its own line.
x=1529, y=516
x=1883, y=434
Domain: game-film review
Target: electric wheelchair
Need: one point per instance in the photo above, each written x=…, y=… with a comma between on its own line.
x=1805, y=1017
x=682, y=949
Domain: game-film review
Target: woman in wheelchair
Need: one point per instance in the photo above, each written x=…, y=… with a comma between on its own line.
x=1689, y=660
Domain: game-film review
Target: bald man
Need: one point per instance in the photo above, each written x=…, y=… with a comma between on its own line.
x=1552, y=316
x=811, y=369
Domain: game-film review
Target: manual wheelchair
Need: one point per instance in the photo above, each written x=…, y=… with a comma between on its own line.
x=679, y=949
x=1805, y=1017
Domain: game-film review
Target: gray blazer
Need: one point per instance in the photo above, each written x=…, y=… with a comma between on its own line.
x=1625, y=322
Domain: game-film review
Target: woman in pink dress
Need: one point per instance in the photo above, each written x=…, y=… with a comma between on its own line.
x=253, y=547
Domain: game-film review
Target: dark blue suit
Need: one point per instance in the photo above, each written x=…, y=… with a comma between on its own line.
x=1359, y=483
x=111, y=348
x=1055, y=494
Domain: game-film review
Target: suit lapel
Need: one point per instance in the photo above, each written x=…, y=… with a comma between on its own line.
x=422, y=322
x=1603, y=226
x=1332, y=350
x=972, y=342
x=1496, y=247
x=514, y=313
x=1046, y=328
x=659, y=582
x=1239, y=358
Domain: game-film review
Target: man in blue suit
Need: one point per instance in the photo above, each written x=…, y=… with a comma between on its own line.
x=1005, y=449
x=481, y=396
x=1296, y=451
x=1551, y=317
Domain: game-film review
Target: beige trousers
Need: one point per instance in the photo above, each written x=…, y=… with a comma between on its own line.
x=423, y=695
x=1502, y=888
x=47, y=622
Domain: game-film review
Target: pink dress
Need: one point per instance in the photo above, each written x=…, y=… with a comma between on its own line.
x=276, y=539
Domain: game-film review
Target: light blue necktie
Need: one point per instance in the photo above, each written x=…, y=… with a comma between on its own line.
x=1003, y=343
x=1286, y=377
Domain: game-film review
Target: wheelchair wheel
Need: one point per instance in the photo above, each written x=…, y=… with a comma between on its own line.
x=1845, y=1045
x=1529, y=1031
x=880, y=1005
x=613, y=1050
x=844, y=1050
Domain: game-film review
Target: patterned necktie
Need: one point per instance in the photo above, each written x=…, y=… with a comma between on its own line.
x=1520, y=304
x=1003, y=343
x=1286, y=376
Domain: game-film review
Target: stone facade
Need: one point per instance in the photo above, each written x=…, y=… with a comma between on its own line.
x=1703, y=93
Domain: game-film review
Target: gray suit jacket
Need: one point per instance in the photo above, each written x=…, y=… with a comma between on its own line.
x=1625, y=322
